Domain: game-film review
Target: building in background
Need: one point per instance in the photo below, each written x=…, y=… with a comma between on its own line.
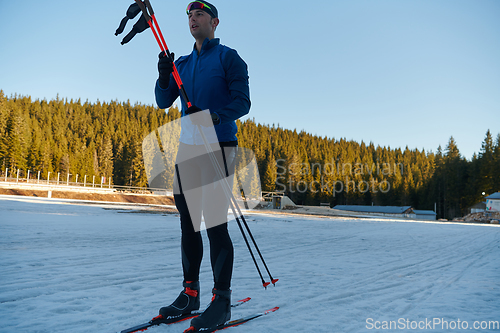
x=493, y=202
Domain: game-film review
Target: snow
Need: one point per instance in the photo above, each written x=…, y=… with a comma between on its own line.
x=93, y=268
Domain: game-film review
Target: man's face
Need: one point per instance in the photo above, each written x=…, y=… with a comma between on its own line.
x=201, y=24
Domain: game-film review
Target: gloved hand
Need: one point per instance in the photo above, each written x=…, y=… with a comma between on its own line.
x=202, y=118
x=165, y=68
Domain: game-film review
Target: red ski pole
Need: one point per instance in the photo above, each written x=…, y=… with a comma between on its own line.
x=163, y=45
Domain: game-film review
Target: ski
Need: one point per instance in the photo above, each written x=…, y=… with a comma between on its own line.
x=233, y=323
x=161, y=320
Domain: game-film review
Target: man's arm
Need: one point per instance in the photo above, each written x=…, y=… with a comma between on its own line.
x=237, y=78
x=166, y=97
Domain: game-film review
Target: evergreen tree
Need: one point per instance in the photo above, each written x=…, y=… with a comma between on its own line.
x=496, y=166
x=454, y=180
x=487, y=164
x=15, y=139
x=64, y=167
x=3, y=126
x=106, y=158
x=270, y=174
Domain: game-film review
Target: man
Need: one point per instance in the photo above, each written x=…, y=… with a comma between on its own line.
x=215, y=78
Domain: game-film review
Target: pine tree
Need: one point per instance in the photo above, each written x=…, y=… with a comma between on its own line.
x=487, y=164
x=106, y=158
x=269, y=178
x=64, y=166
x=453, y=179
x=15, y=140
x=4, y=144
x=496, y=166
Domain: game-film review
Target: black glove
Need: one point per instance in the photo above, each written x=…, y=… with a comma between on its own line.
x=165, y=68
x=202, y=119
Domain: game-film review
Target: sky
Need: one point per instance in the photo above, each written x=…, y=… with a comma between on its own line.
x=391, y=72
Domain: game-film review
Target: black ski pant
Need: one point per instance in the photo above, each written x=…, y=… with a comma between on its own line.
x=198, y=192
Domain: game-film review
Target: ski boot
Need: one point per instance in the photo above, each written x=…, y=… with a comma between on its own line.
x=187, y=301
x=217, y=313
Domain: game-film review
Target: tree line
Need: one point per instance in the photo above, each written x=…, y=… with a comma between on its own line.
x=71, y=137
x=313, y=170
x=105, y=139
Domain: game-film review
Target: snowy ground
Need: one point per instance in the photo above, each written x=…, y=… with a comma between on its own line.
x=77, y=268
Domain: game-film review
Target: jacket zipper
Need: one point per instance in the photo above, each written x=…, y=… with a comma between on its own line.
x=194, y=85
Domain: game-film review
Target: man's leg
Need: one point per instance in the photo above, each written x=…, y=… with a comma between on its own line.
x=221, y=256
x=191, y=243
x=215, y=208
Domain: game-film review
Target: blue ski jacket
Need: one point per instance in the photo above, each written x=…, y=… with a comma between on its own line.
x=215, y=79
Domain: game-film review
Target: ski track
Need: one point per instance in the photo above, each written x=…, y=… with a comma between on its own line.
x=77, y=268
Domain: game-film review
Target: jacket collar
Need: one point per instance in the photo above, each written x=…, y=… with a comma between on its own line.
x=207, y=44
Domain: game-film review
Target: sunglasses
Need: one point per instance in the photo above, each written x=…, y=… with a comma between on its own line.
x=197, y=5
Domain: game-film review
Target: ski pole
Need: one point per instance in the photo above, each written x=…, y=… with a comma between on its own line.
x=251, y=235
x=163, y=45
x=233, y=204
x=225, y=187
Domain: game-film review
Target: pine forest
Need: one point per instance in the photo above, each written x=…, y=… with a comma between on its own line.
x=105, y=140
